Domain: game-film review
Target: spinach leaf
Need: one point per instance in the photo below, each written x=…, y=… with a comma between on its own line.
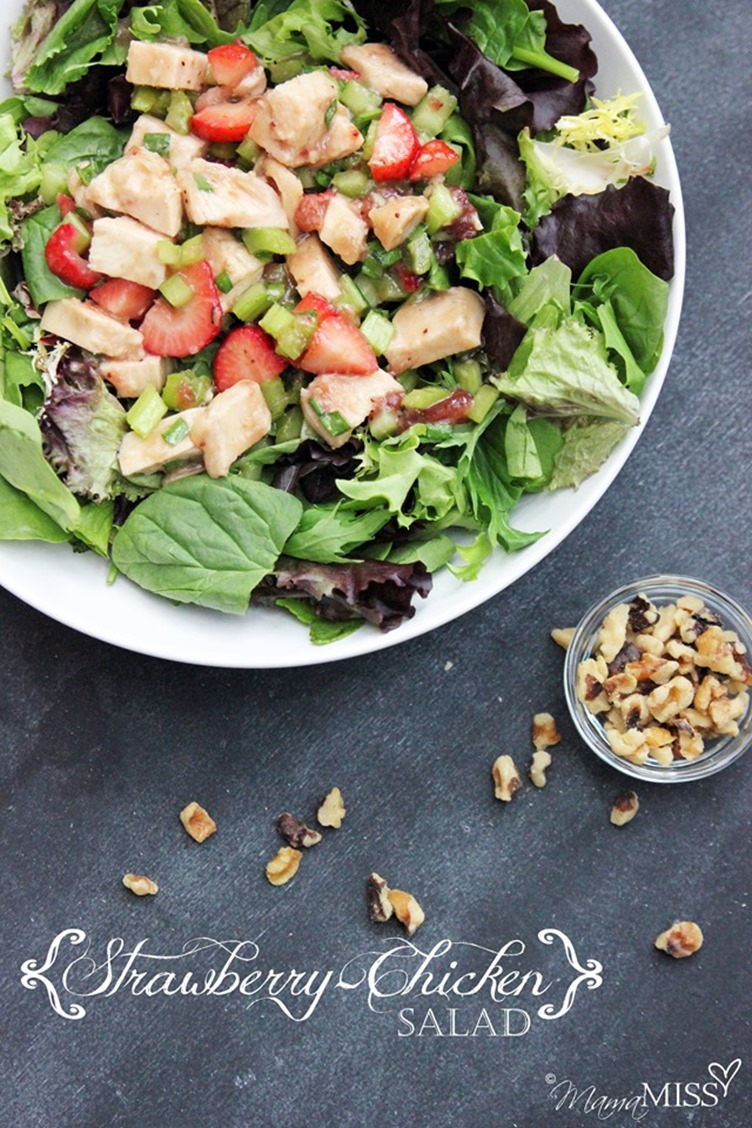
x=21, y=519
x=23, y=465
x=78, y=38
x=44, y=286
x=95, y=526
x=94, y=143
x=206, y=541
x=327, y=534
x=320, y=631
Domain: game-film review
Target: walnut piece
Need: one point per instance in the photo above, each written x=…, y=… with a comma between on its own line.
x=141, y=886
x=624, y=808
x=407, y=910
x=380, y=908
x=332, y=810
x=197, y=822
x=562, y=636
x=295, y=832
x=506, y=778
x=682, y=939
x=540, y=762
x=544, y=731
x=283, y=865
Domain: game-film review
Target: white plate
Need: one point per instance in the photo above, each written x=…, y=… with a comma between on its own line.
x=72, y=589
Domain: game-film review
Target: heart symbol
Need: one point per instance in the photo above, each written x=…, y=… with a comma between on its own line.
x=724, y=1077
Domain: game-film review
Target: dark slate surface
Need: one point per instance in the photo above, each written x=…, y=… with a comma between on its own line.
x=100, y=749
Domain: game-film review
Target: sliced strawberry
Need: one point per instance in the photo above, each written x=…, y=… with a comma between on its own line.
x=231, y=62
x=311, y=209
x=225, y=121
x=246, y=353
x=65, y=203
x=395, y=146
x=337, y=346
x=312, y=301
x=183, y=331
x=63, y=256
x=126, y=300
x=409, y=282
x=432, y=159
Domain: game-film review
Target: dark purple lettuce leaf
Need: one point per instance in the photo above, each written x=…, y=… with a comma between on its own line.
x=501, y=173
x=314, y=469
x=551, y=96
x=502, y=333
x=639, y=216
x=102, y=90
x=374, y=590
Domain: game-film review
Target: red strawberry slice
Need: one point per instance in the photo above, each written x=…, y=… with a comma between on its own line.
x=225, y=121
x=124, y=299
x=395, y=146
x=63, y=256
x=231, y=62
x=432, y=159
x=66, y=203
x=337, y=346
x=246, y=353
x=318, y=303
x=183, y=331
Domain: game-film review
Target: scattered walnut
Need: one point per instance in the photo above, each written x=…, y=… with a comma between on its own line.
x=540, y=762
x=625, y=808
x=562, y=636
x=332, y=810
x=544, y=731
x=295, y=832
x=141, y=886
x=664, y=680
x=683, y=938
x=407, y=910
x=283, y=865
x=506, y=778
x=198, y=822
x=380, y=908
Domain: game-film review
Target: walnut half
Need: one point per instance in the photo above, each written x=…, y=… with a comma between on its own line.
x=283, y=866
x=141, y=886
x=197, y=822
x=624, y=808
x=407, y=910
x=332, y=810
x=506, y=778
x=682, y=939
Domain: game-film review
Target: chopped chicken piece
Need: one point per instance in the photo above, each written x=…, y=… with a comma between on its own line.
x=313, y=269
x=226, y=197
x=227, y=255
x=183, y=147
x=122, y=247
x=145, y=456
x=345, y=230
x=287, y=184
x=291, y=122
x=439, y=326
x=165, y=65
x=142, y=185
x=380, y=69
x=89, y=327
x=353, y=398
x=395, y=220
x=233, y=422
x=131, y=377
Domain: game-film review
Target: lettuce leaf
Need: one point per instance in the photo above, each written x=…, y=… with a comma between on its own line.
x=306, y=27
x=496, y=256
x=21, y=519
x=206, y=541
x=327, y=534
x=20, y=170
x=587, y=443
x=180, y=19
x=80, y=37
x=23, y=465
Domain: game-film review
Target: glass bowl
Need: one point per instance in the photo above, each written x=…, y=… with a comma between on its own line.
x=719, y=751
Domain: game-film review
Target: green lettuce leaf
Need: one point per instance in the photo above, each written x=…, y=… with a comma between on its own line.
x=586, y=446
x=328, y=534
x=180, y=19
x=206, y=541
x=93, y=145
x=80, y=36
x=507, y=32
x=496, y=256
x=21, y=519
x=547, y=285
x=320, y=631
x=20, y=169
x=23, y=465
x=306, y=27
x=565, y=371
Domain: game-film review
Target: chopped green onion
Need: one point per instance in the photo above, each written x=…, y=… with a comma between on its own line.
x=176, y=291
x=433, y=111
x=157, y=143
x=331, y=110
x=332, y=421
x=468, y=375
x=378, y=331
x=202, y=183
x=483, y=401
x=180, y=112
x=269, y=240
x=372, y=268
x=290, y=425
x=176, y=432
x=223, y=282
x=386, y=258
x=146, y=412
x=275, y=394
x=408, y=379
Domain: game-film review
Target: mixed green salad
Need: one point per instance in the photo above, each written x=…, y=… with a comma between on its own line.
x=299, y=299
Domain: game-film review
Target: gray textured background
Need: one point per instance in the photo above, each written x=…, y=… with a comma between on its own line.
x=100, y=749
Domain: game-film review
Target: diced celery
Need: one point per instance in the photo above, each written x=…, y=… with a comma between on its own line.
x=378, y=331
x=421, y=398
x=443, y=209
x=483, y=401
x=372, y=268
x=295, y=339
x=408, y=379
x=468, y=375
x=351, y=297
x=74, y=220
x=253, y=302
x=370, y=141
x=376, y=291
x=383, y=423
x=306, y=176
x=276, y=320
x=367, y=287
x=143, y=99
x=223, y=282
x=161, y=103
x=176, y=432
x=289, y=426
x=275, y=395
x=438, y=277
x=268, y=240
x=54, y=180
x=180, y=112
x=433, y=111
x=168, y=253
x=420, y=256
x=287, y=67
x=247, y=150
x=359, y=99
x=176, y=291
x=185, y=389
x=192, y=251
x=386, y=258
x=146, y=412
x=352, y=182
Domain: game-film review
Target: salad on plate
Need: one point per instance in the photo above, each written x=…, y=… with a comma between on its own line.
x=300, y=299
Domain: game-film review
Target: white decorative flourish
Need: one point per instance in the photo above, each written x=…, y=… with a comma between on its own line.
x=32, y=973
x=724, y=1077
x=590, y=974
